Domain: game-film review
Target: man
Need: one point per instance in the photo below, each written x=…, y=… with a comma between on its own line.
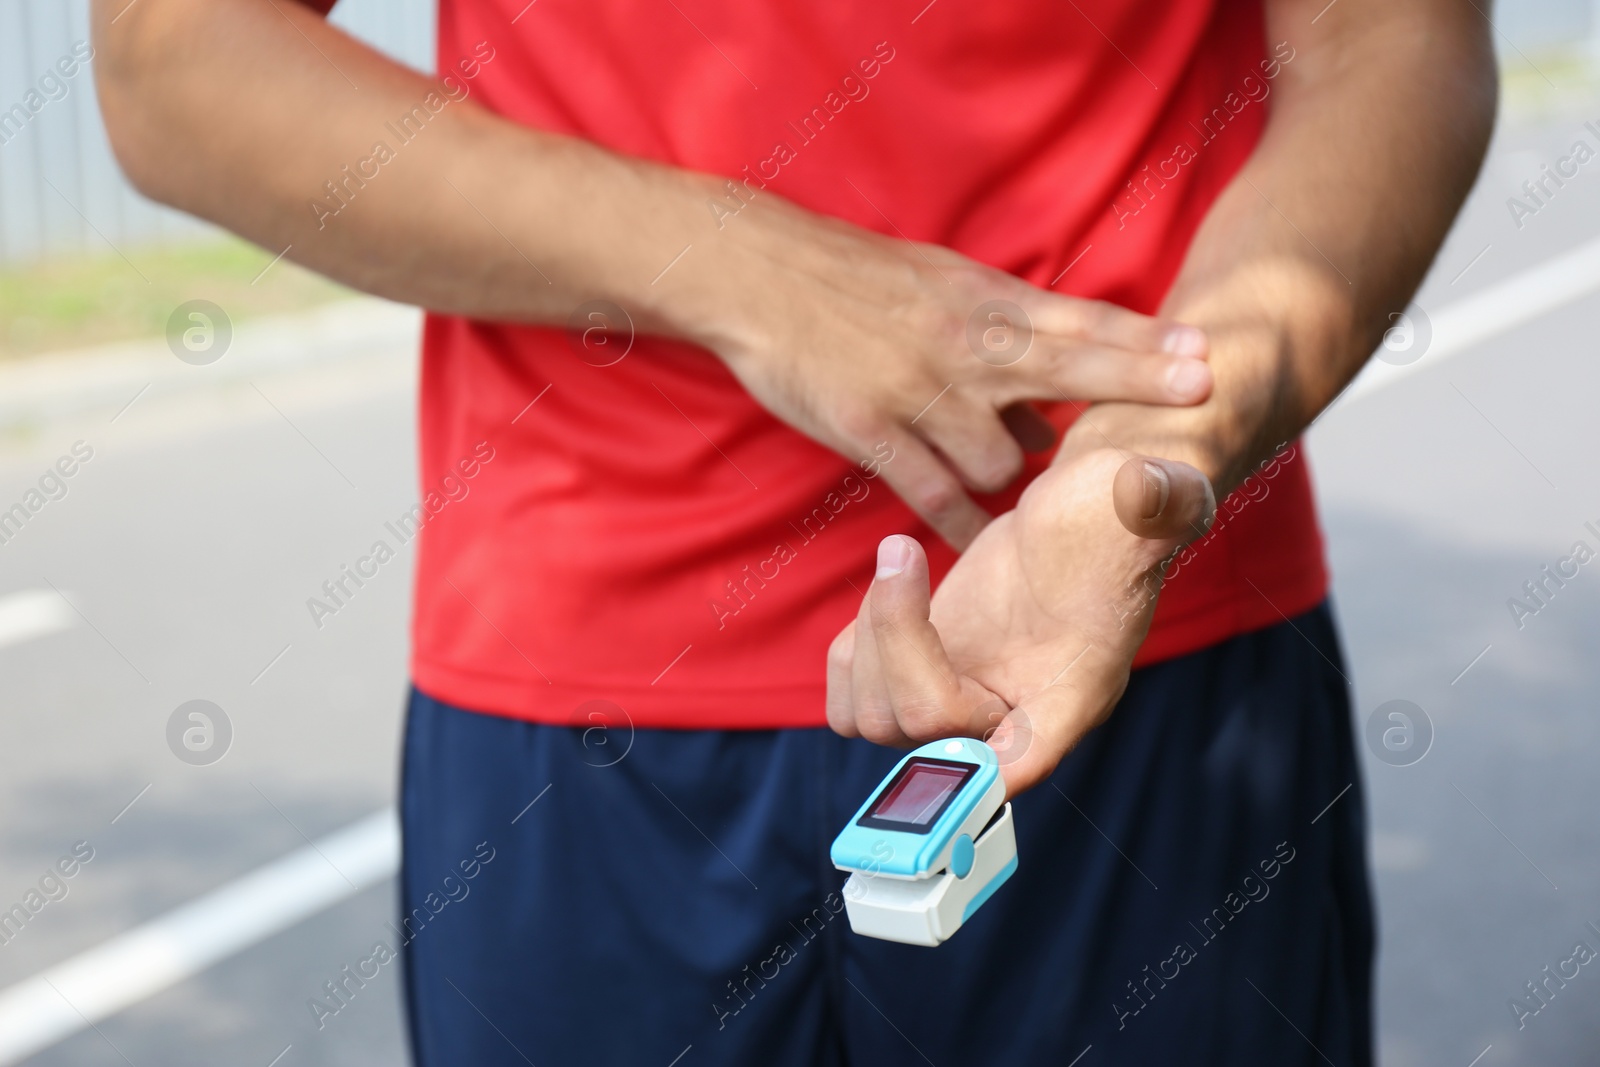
x=681, y=258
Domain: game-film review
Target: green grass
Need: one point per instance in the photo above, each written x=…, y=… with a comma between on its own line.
x=70, y=303
x=1553, y=83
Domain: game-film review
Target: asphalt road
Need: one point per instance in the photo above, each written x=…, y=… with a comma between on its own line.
x=190, y=540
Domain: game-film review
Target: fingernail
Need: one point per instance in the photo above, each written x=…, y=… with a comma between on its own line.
x=1184, y=341
x=1188, y=378
x=1157, y=488
x=893, y=555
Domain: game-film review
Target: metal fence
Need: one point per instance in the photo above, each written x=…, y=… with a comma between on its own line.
x=61, y=193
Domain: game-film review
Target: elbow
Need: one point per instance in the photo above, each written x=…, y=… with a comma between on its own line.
x=128, y=58
x=130, y=141
x=1478, y=80
x=1471, y=78
x=1457, y=52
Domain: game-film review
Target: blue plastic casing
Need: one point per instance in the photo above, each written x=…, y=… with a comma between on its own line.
x=910, y=855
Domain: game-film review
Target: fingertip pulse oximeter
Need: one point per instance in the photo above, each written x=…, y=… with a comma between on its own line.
x=930, y=846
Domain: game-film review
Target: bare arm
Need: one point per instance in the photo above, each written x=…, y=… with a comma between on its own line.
x=1378, y=126
x=241, y=111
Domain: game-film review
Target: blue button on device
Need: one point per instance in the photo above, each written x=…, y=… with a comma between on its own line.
x=961, y=856
x=930, y=846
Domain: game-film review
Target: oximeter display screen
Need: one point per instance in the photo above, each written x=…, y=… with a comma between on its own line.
x=913, y=801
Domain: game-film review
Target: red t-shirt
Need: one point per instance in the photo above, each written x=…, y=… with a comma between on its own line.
x=645, y=534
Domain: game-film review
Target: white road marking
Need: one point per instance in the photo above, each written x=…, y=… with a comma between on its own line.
x=33, y=613
x=58, y=1002
x=1491, y=311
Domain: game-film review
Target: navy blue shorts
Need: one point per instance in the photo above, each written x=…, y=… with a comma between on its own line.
x=1192, y=888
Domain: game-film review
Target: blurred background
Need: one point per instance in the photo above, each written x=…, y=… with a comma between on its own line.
x=195, y=435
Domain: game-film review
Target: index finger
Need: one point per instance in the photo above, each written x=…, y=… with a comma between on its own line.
x=1104, y=323
x=932, y=490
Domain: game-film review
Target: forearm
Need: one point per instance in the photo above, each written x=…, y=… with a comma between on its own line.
x=258, y=115
x=1376, y=132
x=243, y=112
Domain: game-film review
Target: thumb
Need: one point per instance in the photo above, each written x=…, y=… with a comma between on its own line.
x=1163, y=499
x=922, y=684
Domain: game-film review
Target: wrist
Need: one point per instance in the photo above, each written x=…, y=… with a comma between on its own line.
x=1197, y=436
x=754, y=268
x=1273, y=371
x=608, y=227
x=660, y=251
x=711, y=257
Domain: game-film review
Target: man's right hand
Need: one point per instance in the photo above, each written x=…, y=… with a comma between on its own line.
x=854, y=338
x=849, y=336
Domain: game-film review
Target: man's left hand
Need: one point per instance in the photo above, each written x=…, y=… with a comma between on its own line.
x=1029, y=641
